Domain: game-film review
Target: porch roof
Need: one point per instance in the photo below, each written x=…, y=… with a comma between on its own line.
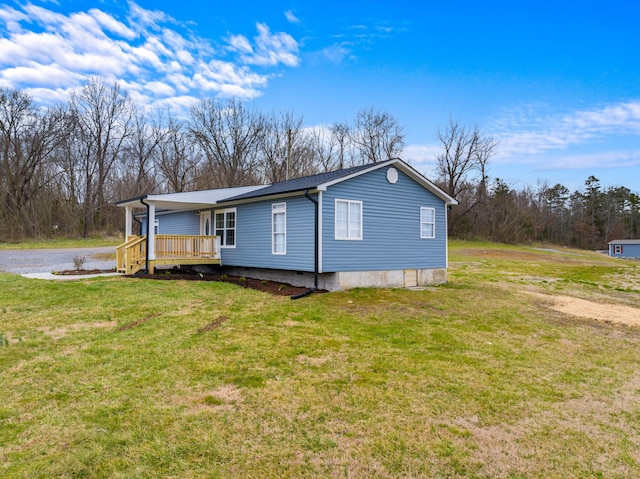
x=187, y=200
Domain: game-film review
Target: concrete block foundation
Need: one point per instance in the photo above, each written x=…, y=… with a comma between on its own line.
x=343, y=280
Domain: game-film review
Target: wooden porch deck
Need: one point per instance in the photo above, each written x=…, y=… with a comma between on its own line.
x=169, y=250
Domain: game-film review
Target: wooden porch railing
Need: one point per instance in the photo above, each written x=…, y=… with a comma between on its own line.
x=185, y=247
x=168, y=249
x=131, y=255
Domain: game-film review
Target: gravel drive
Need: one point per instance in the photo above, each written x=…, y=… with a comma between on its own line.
x=48, y=260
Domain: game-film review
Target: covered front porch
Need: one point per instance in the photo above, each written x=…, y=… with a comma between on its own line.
x=149, y=249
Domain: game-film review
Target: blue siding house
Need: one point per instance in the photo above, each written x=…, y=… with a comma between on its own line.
x=380, y=224
x=625, y=248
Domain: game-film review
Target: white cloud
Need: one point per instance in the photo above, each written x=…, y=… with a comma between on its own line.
x=423, y=154
x=291, y=17
x=422, y=157
x=606, y=159
x=160, y=88
x=51, y=76
x=43, y=16
x=154, y=56
x=336, y=53
x=240, y=44
x=143, y=18
x=112, y=24
x=49, y=95
x=268, y=49
x=11, y=18
x=525, y=131
x=228, y=80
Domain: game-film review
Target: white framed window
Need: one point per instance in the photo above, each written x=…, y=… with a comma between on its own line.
x=225, y=227
x=279, y=228
x=427, y=222
x=348, y=220
x=617, y=249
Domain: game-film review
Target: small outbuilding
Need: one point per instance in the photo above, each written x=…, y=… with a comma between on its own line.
x=626, y=248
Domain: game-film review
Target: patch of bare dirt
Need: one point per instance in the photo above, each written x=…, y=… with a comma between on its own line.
x=605, y=312
x=223, y=397
x=213, y=324
x=58, y=333
x=543, y=255
x=273, y=287
x=74, y=272
x=135, y=324
x=311, y=361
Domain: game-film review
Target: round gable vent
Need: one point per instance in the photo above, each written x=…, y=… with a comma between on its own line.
x=392, y=175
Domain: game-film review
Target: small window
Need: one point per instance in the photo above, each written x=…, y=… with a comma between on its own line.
x=226, y=227
x=348, y=220
x=279, y=228
x=156, y=227
x=427, y=222
x=617, y=249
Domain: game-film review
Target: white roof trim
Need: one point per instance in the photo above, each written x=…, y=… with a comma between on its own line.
x=405, y=168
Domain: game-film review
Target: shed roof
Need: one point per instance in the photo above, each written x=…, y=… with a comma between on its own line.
x=625, y=241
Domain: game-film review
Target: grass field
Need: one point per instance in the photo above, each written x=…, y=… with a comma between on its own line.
x=489, y=376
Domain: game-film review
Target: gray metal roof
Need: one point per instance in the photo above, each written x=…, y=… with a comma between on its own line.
x=323, y=180
x=299, y=184
x=207, y=198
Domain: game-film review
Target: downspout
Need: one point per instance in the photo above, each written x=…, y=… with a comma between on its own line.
x=146, y=249
x=316, y=252
x=139, y=223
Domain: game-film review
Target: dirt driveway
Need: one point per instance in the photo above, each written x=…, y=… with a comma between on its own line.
x=48, y=260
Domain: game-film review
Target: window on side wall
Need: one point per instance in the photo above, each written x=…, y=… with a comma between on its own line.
x=427, y=222
x=348, y=220
x=279, y=228
x=617, y=249
x=226, y=227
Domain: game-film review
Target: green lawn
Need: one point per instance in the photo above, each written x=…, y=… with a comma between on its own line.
x=132, y=378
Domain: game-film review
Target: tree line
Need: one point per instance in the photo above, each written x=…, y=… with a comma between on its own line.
x=491, y=209
x=63, y=167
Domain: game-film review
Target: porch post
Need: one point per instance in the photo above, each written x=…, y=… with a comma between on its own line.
x=152, y=231
x=128, y=222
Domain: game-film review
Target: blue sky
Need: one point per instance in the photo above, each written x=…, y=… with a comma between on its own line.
x=556, y=83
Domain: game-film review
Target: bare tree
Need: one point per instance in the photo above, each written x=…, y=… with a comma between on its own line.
x=325, y=149
x=286, y=148
x=230, y=136
x=27, y=138
x=462, y=166
x=140, y=152
x=179, y=157
x=377, y=135
x=465, y=157
x=340, y=138
x=102, y=113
